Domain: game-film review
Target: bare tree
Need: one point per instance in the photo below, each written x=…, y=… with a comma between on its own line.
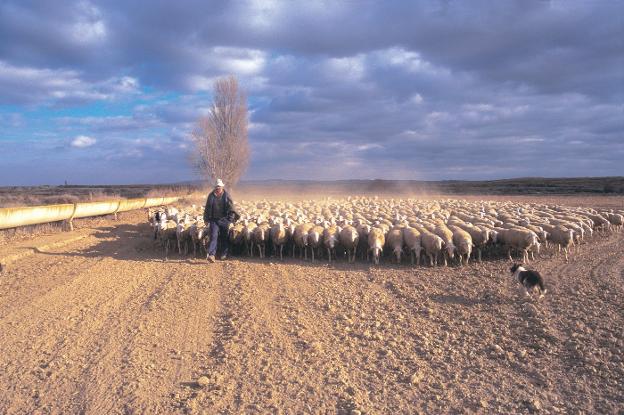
x=221, y=143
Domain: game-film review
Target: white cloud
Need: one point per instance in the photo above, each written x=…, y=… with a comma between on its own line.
x=409, y=60
x=348, y=68
x=89, y=27
x=213, y=63
x=416, y=99
x=83, y=141
x=23, y=84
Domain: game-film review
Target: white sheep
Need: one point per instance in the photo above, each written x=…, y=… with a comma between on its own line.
x=349, y=239
x=463, y=243
x=412, y=240
x=331, y=235
x=522, y=240
x=259, y=238
x=394, y=241
x=560, y=236
x=432, y=245
x=447, y=236
x=376, y=241
x=315, y=240
x=279, y=237
x=300, y=239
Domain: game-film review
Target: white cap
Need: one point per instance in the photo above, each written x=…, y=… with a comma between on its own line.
x=219, y=183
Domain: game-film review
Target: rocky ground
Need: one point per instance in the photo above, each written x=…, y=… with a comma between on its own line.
x=102, y=325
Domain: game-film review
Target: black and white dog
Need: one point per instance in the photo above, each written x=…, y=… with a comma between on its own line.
x=529, y=279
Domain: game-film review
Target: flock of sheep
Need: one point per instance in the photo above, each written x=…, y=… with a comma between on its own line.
x=440, y=231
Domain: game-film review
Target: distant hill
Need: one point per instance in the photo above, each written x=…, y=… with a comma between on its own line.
x=528, y=185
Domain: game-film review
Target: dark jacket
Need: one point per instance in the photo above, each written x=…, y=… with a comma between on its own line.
x=210, y=212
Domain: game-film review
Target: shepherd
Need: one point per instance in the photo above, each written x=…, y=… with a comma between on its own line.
x=219, y=214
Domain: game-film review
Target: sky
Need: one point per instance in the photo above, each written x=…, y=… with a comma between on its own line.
x=108, y=92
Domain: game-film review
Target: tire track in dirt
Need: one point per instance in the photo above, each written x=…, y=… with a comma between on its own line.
x=334, y=337
x=50, y=269
x=566, y=345
x=93, y=312
x=63, y=312
x=242, y=364
x=172, y=331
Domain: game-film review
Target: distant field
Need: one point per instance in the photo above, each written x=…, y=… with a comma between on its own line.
x=44, y=195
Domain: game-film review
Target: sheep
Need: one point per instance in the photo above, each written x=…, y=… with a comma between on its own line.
x=463, y=243
x=483, y=221
x=315, y=239
x=447, y=236
x=154, y=217
x=600, y=222
x=181, y=236
x=363, y=230
x=542, y=235
x=167, y=234
x=349, y=239
x=170, y=211
x=519, y=239
x=236, y=235
x=279, y=237
x=480, y=238
x=196, y=233
x=561, y=236
x=300, y=239
x=432, y=244
x=394, y=241
x=616, y=220
x=376, y=241
x=247, y=236
x=259, y=237
x=330, y=238
x=412, y=240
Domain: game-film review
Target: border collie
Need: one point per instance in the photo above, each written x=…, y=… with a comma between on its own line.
x=529, y=279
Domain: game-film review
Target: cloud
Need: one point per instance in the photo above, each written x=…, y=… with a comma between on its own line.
x=34, y=86
x=83, y=141
x=432, y=90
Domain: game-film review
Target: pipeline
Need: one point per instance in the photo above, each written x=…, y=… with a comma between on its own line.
x=14, y=217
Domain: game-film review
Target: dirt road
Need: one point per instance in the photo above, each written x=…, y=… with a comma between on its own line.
x=104, y=326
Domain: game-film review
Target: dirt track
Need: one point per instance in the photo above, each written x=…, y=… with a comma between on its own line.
x=103, y=326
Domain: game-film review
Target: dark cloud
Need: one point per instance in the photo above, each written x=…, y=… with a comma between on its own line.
x=366, y=89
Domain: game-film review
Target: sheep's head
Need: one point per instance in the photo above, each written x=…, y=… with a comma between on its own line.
x=376, y=254
x=313, y=237
x=331, y=241
x=397, y=252
x=494, y=236
x=450, y=250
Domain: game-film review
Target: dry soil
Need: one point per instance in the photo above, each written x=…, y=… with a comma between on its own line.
x=103, y=326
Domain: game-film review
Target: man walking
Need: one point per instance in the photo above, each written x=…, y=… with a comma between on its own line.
x=219, y=207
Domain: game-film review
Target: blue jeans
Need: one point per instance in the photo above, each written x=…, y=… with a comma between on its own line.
x=218, y=228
